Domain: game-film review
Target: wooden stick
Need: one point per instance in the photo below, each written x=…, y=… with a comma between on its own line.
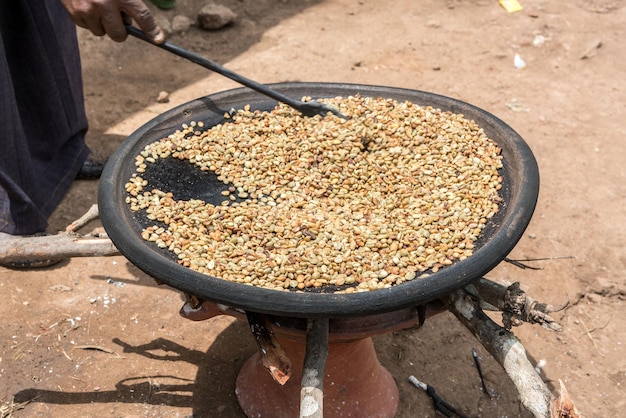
x=274, y=358
x=510, y=353
x=516, y=305
x=563, y=407
x=507, y=350
x=312, y=391
x=63, y=245
x=92, y=214
x=60, y=246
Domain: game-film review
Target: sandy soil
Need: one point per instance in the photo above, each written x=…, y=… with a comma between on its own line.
x=96, y=337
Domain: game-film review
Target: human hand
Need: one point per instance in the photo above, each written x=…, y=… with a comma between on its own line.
x=107, y=17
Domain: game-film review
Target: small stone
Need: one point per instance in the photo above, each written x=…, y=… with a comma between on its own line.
x=180, y=24
x=214, y=16
x=163, y=97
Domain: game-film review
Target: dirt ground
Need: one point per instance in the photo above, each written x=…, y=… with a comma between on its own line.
x=96, y=337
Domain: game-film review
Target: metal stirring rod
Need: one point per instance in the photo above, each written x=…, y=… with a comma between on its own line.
x=310, y=108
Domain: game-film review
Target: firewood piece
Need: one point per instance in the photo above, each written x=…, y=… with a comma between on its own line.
x=312, y=387
x=274, y=359
x=196, y=309
x=507, y=350
x=91, y=215
x=58, y=246
x=516, y=306
x=562, y=406
x=63, y=245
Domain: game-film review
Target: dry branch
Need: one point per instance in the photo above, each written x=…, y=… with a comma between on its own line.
x=312, y=390
x=516, y=306
x=507, y=350
x=510, y=353
x=92, y=214
x=563, y=407
x=61, y=246
x=274, y=358
x=196, y=309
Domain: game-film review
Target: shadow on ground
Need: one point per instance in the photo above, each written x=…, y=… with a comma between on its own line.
x=212, y=392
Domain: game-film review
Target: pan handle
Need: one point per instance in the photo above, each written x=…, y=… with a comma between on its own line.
x=310, y=108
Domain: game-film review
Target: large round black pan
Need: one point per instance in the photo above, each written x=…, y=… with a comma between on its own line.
x=519, y=193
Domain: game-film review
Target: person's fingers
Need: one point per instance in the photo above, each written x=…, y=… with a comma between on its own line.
x=140, y=13
x=113, y=23
x=107, y=17
x=84, y=15
x=94, y=24
x=79, y=21
x=127, y=19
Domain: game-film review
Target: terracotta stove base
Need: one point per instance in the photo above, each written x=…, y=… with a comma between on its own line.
x=355, y=383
